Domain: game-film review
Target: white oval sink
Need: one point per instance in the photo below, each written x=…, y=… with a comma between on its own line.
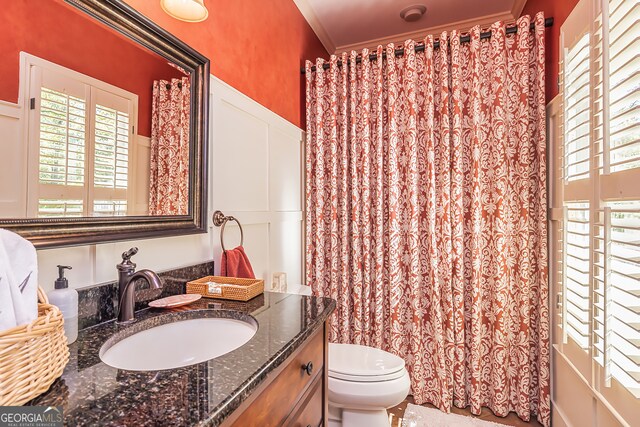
x=177, y=344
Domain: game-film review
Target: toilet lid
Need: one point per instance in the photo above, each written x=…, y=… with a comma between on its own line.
x=352, y=362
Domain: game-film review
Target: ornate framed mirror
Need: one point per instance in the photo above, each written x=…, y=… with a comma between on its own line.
x=104, y=117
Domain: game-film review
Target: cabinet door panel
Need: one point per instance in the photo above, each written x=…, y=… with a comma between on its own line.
x=279, y=399
x=309, y=411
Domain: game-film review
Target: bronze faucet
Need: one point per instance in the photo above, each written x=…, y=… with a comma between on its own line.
x=127, y=277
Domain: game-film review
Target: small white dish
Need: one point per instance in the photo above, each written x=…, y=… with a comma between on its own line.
x=175, y=301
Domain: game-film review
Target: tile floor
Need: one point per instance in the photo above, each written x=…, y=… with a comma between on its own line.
x=512, y=419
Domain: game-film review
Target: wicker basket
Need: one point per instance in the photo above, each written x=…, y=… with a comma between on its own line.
x=226, y=287
x=32, y=356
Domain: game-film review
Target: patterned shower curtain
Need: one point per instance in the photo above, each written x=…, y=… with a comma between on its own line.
x=169, y=165
x=426, y=213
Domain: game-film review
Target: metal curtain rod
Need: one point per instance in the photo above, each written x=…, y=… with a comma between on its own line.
x=548, y=22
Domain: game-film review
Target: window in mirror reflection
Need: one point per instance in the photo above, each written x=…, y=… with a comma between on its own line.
x=81, y=147
x=90, y=151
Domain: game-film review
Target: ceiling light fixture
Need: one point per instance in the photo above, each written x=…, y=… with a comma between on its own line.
x=185, y=10
x=413, y=13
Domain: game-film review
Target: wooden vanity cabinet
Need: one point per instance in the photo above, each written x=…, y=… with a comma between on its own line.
x=294, y=394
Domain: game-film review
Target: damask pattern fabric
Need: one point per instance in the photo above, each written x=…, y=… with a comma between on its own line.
x=426, y=213
x=169, y=163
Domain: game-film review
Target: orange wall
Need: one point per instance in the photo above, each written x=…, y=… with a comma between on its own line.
x=55, y=31
x=559, y=10
x=256, y=46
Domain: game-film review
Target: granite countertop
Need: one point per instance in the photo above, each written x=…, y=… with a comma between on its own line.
x=93, y=393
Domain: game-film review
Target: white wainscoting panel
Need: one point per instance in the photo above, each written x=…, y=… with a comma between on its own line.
x=285, y=172
x=140, y=184
x=286, y=250
x=13, y=190
x=240, y=147
x=256, y=177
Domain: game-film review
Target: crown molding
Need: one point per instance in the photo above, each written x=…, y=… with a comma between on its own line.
x=517, y=7
x=310, y=15
x=465, y=25
x=483, y=21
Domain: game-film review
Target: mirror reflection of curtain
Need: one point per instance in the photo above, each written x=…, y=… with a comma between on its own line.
x=169, y=180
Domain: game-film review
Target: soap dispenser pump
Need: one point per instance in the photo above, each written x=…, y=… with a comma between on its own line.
x=66, y=299
x=62, y=282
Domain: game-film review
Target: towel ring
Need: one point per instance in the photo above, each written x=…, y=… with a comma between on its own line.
x=220, y=220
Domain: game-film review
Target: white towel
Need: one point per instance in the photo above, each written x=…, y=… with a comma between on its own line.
x=18, y=281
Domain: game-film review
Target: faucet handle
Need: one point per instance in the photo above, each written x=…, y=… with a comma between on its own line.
x=126, y=256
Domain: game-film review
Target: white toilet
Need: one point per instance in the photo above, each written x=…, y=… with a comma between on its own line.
x=363, y=383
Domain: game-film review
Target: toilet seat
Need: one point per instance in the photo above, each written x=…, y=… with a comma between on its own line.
x=357, y=363
x=363, y=382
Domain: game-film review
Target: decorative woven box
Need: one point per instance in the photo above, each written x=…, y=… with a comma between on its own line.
x=226, y=287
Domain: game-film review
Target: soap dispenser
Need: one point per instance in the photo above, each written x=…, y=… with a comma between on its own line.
x=66, y=299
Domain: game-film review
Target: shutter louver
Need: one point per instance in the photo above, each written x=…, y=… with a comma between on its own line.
x=577, y=111
x=110, y=207
x=624, y=85
x=60, y=208
x=111, y=148
x=62, y=138
x=576, y=273
x=601, y=279
x=619, y=285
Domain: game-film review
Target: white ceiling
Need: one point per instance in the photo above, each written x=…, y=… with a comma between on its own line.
x=354, y=24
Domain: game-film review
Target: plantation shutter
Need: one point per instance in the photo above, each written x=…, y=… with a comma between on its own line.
x=112, y=133
x=80, y=148
x=617, y=294
x=623, y=83
x=60, y=153
x=616, y=285
x=575, y=82
x=601, y=129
